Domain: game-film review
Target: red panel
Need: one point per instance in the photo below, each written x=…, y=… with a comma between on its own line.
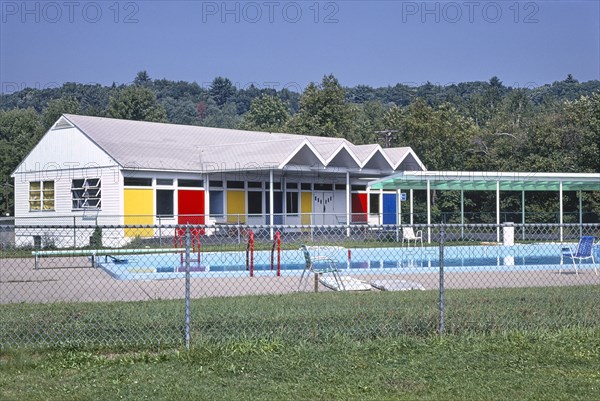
x=359, y=208
x=190, y=203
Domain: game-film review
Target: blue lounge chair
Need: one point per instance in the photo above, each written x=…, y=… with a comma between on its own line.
x=583, y=251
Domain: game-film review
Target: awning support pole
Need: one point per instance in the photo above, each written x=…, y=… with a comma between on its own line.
x=271, y=201
x=498, y=211
x=462, y=214
x=560, y=206
x=428, y=211
x=411, y=208
x=523, y=212
x=348, y=204
x=580, y=214
x=399, y=215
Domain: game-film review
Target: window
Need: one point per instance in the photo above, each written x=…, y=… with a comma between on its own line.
x=215, y=184
x=255, y=202
x=164, y=181
x=255, y=185
x=190, y=183
x=358, y=187
x=323, y=187
x=374, y=204
x=305, y=186
x=137, y=182
x=340, y=187
x=291, y=202
x=235, y=184
x=291, y=185
x=41, y=195
x=86, y=193
x=216, y=204
x=164, y=202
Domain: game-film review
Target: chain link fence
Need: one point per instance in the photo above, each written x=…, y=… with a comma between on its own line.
x=109, y=285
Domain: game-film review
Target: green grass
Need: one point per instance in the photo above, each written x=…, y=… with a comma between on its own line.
x=298, y=317
x=518, y=343
x=540, y=365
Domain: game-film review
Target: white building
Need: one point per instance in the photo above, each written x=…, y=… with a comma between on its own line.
x=88, y=170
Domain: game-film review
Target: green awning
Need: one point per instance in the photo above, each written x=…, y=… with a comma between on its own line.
x=488, y=181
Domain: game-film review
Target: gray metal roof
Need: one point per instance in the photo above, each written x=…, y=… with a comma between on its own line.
x=159, y=146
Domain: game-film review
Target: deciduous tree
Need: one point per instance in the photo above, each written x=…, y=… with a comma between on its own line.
x=20, y=129
x=324, y=111
x=136, y=103
x=267, y=113
x=57, y=107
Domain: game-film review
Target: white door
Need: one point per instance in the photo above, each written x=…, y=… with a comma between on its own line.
x=323, y=208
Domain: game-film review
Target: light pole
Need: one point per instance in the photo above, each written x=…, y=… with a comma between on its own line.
x=387, y=136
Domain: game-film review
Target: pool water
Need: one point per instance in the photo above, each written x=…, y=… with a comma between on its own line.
x=361, y=261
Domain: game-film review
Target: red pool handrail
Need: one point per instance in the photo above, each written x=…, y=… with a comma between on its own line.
x=276, y=243
x=250, y=253
x=178, y=240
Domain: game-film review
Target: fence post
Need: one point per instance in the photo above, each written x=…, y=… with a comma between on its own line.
x=442, y=305
x=187, y=286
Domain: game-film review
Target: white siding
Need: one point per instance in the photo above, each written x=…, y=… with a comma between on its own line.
x=65, y=149
x=62, y=156
x=110, y=214
x=63, y=207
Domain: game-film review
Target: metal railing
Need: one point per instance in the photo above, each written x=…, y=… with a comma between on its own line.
x=115, y=284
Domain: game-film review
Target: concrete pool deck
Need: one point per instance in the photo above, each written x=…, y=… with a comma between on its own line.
x=21, y=283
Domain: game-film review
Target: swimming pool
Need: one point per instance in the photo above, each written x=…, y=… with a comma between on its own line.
x=362, y=261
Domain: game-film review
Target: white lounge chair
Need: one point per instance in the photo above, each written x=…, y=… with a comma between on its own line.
x=408, y=234
x=326, y=272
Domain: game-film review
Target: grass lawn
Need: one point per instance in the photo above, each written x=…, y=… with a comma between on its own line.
x=501, y=344
x=560, y=365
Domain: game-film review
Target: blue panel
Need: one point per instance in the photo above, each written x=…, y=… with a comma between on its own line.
x=389, y=208
x=277, y=209
x=216, y=203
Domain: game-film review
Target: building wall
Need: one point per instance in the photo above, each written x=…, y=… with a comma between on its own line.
x=190, y=206
x=65, y=155
x=390, y=208
x=306, y=207
x=359, y=208
x=138, y=210
x=110, y=212
x=236, y=206
x=66, y=149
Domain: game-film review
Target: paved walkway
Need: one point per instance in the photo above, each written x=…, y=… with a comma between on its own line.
x=73, y=280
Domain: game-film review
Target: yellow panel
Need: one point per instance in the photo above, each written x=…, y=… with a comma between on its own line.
x=139, y=210
x=236, y=205
x=306, y=207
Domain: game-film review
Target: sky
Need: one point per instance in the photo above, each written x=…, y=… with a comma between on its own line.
x=287, y=44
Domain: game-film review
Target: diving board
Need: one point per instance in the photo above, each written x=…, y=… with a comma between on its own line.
x=93, y=253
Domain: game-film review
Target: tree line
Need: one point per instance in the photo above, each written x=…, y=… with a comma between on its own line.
x=481, y=126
